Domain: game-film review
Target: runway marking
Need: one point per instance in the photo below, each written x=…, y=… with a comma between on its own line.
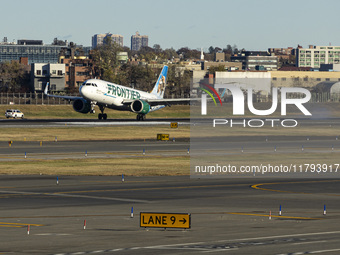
x=65, y=216
x=18, y=225
x=100, y=198
x=7, y=226
x=277, y=216
x=52, y=234
x=154, y=188
x=126, y=181
x=312, y=242
x=309, y=252
x=256, y=186
x=260, y=215
x=64, y=194
x=178, y=246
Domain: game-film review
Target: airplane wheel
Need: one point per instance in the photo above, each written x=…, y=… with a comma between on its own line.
x=100, y=116
x=143, y=117
x=104, y=116
x=138, y=117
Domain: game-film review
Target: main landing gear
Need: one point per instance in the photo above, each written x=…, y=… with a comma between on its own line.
x=102, y=115
x=141, y=117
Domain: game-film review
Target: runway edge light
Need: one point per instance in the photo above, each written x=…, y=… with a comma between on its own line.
x=280, y=211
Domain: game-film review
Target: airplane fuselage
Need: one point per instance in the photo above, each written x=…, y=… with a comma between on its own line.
x=110, y=94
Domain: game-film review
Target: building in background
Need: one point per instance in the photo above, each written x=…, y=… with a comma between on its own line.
x=315, y=56
x=256, y=60
x=230, y=66
x=122, y=57
x=138, y=41
x=99, y=39
x=35, y=51
x=78, y=67
x=219, y=57
x=43, y=73
x=77, y=71
x=282, y=51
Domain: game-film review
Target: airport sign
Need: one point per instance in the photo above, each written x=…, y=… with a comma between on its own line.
x=163, y=137
x=174, y=125
x=165, y=220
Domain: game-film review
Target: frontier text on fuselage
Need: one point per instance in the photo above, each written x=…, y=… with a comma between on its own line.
x=122, y=92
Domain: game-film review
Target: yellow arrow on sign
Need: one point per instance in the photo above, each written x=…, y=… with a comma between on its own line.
x=165, y=220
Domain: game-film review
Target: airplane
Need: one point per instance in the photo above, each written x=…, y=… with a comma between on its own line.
x=118, y=97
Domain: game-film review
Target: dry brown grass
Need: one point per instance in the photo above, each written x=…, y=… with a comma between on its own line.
x=137, y=166
x=66, y=133
x=67, y=112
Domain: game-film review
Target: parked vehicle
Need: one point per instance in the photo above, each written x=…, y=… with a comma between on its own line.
x=11, y=113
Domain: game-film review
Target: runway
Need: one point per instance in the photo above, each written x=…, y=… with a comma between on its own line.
x=115, y=148
x=5, y=123
x=43, y=123
x=228, y=216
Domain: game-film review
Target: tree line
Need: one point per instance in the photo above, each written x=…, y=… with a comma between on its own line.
x=15, y=77
x=143, y=77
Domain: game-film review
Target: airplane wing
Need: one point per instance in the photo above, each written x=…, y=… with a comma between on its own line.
x=64, y=97
x=154, y=102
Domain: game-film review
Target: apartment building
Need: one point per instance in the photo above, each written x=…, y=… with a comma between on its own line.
x=315, y=56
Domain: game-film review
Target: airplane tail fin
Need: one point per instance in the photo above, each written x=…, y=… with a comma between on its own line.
x=161, y=83
x=46, y=89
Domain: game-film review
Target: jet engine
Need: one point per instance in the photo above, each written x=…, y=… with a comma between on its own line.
x=81, y=105
x=140, y=106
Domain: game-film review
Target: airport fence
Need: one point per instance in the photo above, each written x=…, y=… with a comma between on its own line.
x=31, y=98
x=41, y=99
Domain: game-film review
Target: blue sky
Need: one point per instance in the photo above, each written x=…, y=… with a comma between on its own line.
x=253, y=25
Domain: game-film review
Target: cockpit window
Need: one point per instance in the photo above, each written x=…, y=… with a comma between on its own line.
x=91, y=84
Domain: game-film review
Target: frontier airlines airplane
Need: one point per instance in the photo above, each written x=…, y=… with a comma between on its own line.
x=109, y=95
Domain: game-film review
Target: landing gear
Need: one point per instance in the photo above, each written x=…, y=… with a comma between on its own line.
x=141, y=117
x=93, y=104
x=102, y=115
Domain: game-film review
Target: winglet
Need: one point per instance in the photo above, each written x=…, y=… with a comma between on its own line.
x=46, y=89
x=161, y=83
